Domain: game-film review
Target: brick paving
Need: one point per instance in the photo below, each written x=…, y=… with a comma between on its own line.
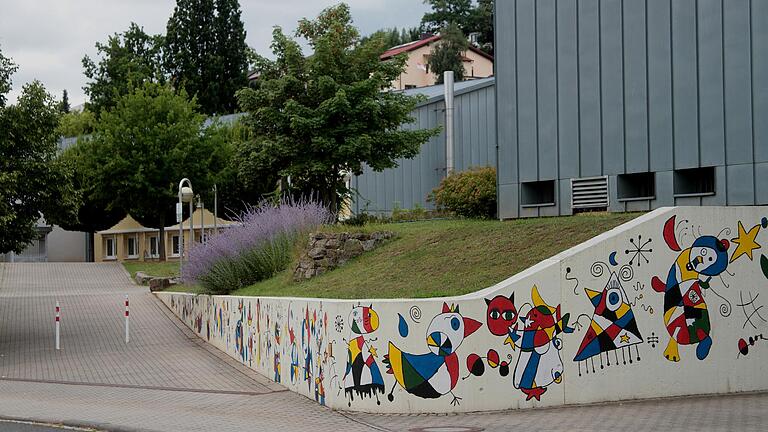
x=167, y=379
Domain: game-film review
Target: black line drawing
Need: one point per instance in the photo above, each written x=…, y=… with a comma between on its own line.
x=755, y=309
x=639, y=250
x=653, y=340
x=572, y=278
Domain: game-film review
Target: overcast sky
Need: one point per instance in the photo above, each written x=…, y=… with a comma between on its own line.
x=48, y=38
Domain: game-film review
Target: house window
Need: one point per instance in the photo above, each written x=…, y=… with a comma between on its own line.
x=175, y=245
x=133, y=247
x=537, y=194
x=110, y=251
x=153, y=247
x=636, y=187
x=694, y=182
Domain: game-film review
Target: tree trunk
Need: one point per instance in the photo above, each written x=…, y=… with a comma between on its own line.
x=161, y=240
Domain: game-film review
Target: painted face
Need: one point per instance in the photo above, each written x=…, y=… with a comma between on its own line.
x=448, y=330
x=709, y=255
x=501, y=314
x=364, y=320
x=539, y=318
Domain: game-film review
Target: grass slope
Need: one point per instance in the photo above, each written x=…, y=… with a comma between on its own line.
x=442, y=258
x=162, y=269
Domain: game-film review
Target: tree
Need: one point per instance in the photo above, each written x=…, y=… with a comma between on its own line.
x=207, y=53
x=394, y=37
x=126, y=61
x=445, y=12
x=32, y=182
x=141, y=149
x=64, y=104
x=316, y=118
x=482, y=23
x=76, y=123
x=447, y=54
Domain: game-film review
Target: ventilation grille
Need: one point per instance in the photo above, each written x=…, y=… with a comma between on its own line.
x=589, y=193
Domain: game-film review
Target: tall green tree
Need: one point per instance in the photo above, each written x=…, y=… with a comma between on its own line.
x=445, y=12
x=64, y=104
x=447, y=54
x=141, y=149
x=207, y=53
x=33, y=182
x=125, y=61
x=315, y=118
x=482, y=23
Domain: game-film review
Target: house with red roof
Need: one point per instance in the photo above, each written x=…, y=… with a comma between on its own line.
x=477, y=64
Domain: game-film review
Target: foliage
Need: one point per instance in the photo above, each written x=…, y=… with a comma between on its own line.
x=257, y=249
x=318, y=117
x=447, y=54
x=64, y=104
x=126, y=61
x=393, y=37
x=207, y=53
x=469, y=193
x=468, y=17
x=32, y=181
x=141, y=149
x=238, y=187
x=445, y=12
x=76, y=123
x=443, y=257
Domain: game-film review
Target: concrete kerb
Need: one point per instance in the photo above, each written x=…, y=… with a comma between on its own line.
x=255, y=331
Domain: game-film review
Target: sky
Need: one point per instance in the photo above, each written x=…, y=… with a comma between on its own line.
x=47, y=39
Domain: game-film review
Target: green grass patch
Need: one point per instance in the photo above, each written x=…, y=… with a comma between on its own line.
x=443, y=258
x=162, y=269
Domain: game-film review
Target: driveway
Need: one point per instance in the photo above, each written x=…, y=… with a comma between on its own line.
x=167, y=379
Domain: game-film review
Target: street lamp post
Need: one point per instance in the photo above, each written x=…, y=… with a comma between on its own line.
x=215, y=210
x=185, y=195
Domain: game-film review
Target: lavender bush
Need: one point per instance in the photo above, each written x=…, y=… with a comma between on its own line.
x=256, y=249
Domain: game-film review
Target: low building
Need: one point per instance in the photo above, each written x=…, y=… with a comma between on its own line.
x=129, y=240
x=477, y=63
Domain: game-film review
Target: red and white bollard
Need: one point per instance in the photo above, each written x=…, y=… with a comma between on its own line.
x=58, y=326
x=127, y=335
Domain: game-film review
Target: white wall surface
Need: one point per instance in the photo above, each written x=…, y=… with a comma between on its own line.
x=66, y=246
x=310, y=345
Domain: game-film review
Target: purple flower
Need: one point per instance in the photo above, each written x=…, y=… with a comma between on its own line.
x=259, y=246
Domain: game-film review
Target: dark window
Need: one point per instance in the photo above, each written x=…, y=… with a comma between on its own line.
x=639, y=186
x=537, y=194
x=694, y=182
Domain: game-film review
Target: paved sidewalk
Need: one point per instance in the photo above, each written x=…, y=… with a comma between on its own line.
x=167, y=379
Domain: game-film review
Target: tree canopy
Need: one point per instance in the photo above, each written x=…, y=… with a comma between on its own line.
x=126, y=60
x=33, y=182
x=316, y=118
x=468, y=17
x=447, y=54
x=206, y=52
x=64, y=104
x=141, y=149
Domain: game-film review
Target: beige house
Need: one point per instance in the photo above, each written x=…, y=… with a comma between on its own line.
x=477, y=64
x=128, y=240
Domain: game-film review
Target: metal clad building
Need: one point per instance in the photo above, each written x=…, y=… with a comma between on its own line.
x=650, y=102
x=412, y=181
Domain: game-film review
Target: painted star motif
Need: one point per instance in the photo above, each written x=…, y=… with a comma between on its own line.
x=746, y=242
x=373, y=351
x=624, y=338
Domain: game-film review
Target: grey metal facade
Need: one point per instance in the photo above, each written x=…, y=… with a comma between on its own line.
x=591, y=88
x=412, y=181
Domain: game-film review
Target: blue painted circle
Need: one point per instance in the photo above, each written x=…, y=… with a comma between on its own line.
x=613, y=298
x=455, y=323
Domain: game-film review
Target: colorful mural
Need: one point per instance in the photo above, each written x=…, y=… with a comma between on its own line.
x=435, y=373
x=699, y=292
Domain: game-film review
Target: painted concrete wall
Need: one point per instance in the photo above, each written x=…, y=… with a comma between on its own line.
x=668, y=304
x=591, y=88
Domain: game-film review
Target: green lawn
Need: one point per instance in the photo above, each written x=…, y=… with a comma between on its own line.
x=170, y=268
x=442, y=258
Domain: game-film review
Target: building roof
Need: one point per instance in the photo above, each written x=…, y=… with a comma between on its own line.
x=437, y=92
x=207, y=218
x=410, y=46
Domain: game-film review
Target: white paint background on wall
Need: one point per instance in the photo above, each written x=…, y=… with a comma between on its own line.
x=652, y=376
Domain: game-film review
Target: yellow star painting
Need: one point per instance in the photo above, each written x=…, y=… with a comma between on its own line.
x=746, y=242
